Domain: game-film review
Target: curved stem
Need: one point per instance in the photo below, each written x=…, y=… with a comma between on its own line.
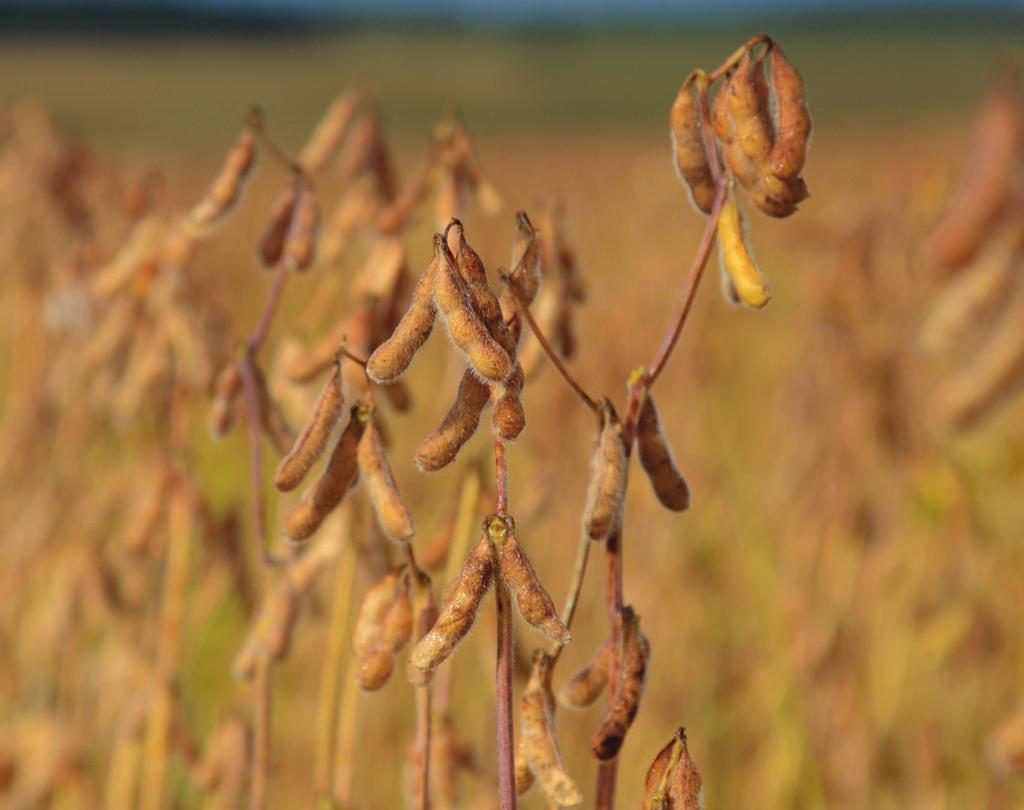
x=504, y=659
x=552, y=355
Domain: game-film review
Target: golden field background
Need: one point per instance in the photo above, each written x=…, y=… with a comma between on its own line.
x=837, y=621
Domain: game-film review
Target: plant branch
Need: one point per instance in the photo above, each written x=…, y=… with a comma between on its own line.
x=552, y=355
x=504, y=663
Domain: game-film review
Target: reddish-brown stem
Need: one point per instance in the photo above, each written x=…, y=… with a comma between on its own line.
x=552, y=355
x=254, y=417
x=504, y=663
x=259, y=336
x=640, y=384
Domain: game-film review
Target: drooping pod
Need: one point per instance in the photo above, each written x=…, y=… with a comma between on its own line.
x=392, y=512
x=272, y=419
x=741, y=119
x=517, y=572
x=751, y=287
x=687, y=130
x=383, y=626
x=334, y=483
x=793, y=121
x=458, y=611
x=329, y=134
x=439, y=449
x=472, y=270
x=465, y=325
x=609, y=471
x=525, y=266
x=673, y=781
x=393, y=356
x=226, y=390
x=310, y=444
x=988, y=181
x=226, y=189
x=303, y=229
x=275, y=233
x=270, y=635
x=656, y=458
x=629, y=688
x=586, y=686
x=752, y=130
x=508, y=417
x=539, y=747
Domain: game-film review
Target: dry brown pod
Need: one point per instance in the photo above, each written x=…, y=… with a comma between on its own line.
x=439, y=449
x=310, y=444
x=373, y=609
x=687, y=130
x=275, y=233
x=303, y=229
x=586, y=686
x=392, y=512
x=741, y=119
x=673, y=781
x=629, y=688
x=382, y=633
x=272, y=419
x=326, y=139
x=526, y=259
x=271, y=633
x=534, y=603
x=609, y=471
x=466, y=326
x=393, y=356
x=226, y=189
x=994, y=152
x=471, y=268
x=508, y=417
x=793, y=119
x=458, y=611
x=539, y=748
x=656, y=458
x=335, y=481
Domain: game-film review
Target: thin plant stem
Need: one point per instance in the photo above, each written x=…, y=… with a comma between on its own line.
x=277, y=285
x=552, y=355
x=254, y=415
x=639, y=385
x=504, y=658
x=579, y=571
